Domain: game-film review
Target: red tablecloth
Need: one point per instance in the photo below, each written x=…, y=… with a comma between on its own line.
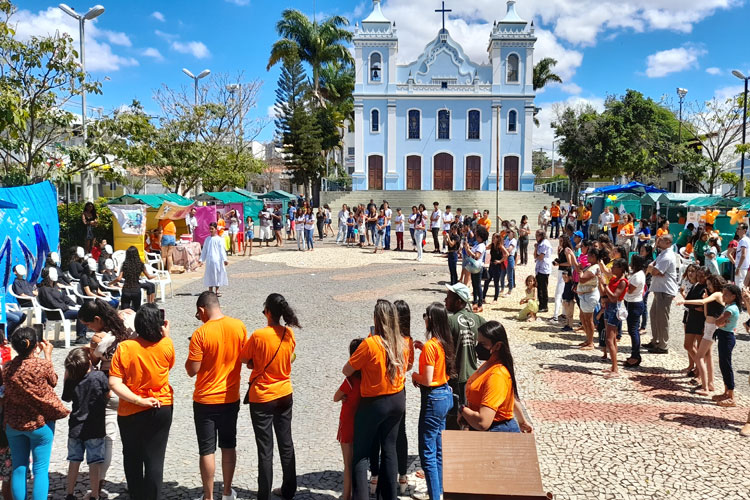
x=187, y=255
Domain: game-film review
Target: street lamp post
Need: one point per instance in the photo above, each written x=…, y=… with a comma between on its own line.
x=202, y=74
x=741, y=187
x=681, y=93
x=553, y=155
x=87, y=184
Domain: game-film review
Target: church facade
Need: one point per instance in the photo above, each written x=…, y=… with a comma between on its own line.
x=443, y=122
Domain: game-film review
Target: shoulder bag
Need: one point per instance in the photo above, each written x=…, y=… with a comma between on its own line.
x=246, y=400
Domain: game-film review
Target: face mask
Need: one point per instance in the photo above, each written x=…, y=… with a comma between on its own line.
x=80, y=253
x=21, y=271
x=53, y=274
x=55, y=258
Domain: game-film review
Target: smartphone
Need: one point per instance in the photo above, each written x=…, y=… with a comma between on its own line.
x=39, y=329
x=162, y=313
x=372, y=330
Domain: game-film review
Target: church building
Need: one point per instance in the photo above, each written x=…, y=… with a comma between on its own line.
x=443, y=122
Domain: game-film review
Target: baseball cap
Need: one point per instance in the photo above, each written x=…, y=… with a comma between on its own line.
x=461, y=290
x=579, y=234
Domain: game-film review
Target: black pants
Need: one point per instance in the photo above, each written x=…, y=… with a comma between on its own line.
x=542, y=281
x=321, y=226
x=726, y=342
x=402, y=451
x=476, y=285
x=523, y=246
x=436, y=239
x=268, y=417
x=377, y=420
x=452, y=266
x=130, y=298
x=144, y=437
x=494, y=275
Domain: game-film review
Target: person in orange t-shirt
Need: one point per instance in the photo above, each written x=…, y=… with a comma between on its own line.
x=269, y=352
x=168, y=240
x=381, y=359
x=436, y=366
x=139, y=375
x=214, y=358
x=491, y=391
x=555, y=222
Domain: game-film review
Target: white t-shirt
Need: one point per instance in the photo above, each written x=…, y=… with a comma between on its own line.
x=448, y=219
x=265, y=218
x=435, y=217
x=388, y=215
x=638, y=280
x=399, y=219
x=343, y=215
x=412, y=218
x=192, y=223
x=481, y=248
x=606, y=219
x=309, y=221
x=511, y=244
x=299, y=221
x=744, y=243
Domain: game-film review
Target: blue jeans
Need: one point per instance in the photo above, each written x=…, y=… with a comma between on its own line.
x=452, y=266
x=510, y=269
x=644, y=317
x=38, y=443
x=635, y=312
x=436, y=403
x=309, y=238
x=726, y=341
x=586, y=225
x=505, y=426
x=554, y=226
x=388, y=237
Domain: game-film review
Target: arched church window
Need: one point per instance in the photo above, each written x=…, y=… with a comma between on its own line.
x=375, y=121
x=513, y=68
x=415, y=125
x=473, y=132
x=513, y=121
x=376, y=68
x=444, y=124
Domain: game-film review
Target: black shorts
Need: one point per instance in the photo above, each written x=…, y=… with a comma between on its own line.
x=213, y=420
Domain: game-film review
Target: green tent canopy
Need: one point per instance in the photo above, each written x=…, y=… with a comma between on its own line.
x=152, y=200
x=223, y=197
x=712, y=201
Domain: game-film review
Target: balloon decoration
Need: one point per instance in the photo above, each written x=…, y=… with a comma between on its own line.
x=736, y=215
x=612, y=197
x=710, y=216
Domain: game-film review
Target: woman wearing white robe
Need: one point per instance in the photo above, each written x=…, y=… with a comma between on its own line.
x=214, y=256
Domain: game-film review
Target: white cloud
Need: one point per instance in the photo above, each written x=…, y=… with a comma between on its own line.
x=272, y=112
x=99, y=55
x=241, y=3
x=544, y=134
x=724, y=93
x=196, y=49
x=166, y=36
x=672, y=61
x=713, y=71
x=158, y=16
x=571, y=88
x=153, y=53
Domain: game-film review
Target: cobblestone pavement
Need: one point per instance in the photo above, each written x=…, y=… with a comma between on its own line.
x=645, y=436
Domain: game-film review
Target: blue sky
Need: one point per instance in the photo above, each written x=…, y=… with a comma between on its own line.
x=604, y=46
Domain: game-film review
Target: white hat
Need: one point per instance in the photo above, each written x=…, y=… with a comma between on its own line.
x=109, y=264
x=20, y=269
x=108, y=249
x=52, y=274
x=79, y=252
x=92, y=264
x=55, y=257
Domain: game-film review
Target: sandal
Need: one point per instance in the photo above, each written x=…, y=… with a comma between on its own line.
x=610, y=375
x=727, y=403
x=373, y=484
x=587, y=347
x=403, y=484
x=720, y=397
x=419, y=474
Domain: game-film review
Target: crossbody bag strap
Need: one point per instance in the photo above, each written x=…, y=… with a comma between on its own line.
x=250, y=386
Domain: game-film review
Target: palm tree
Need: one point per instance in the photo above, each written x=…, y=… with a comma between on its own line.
x=543, y=73
x=315, y=44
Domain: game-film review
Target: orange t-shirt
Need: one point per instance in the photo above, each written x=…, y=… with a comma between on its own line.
x=554, y=211
x=220, y=225
x=369, y=358
x=275, y=382
x=586, y=215
x=661, y=232
x=493, y=389
x=168, y=228
x=486, y=222
x=217, y=345
x=410, y=346
x=433, y=355
x=144, y=367
x=628, y=228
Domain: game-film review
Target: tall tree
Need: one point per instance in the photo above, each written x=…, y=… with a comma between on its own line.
x=313, y=43
x=38, y=78
x=543, y=73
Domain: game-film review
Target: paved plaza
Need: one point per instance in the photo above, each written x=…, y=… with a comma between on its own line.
x=645, y=436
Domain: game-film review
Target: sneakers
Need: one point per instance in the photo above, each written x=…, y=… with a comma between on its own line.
x=231, y=496
x=566, y=328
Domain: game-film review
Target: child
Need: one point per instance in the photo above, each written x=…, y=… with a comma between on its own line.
x=711, y=259
x=349, y=395
x=528, y=313
x=454, y=243
x=351, y=223
x=568, y=297
x=249, y=235
x=614, y=290
x=88, y=389
x=601, y=324
x=399, y=220
x=726, y=324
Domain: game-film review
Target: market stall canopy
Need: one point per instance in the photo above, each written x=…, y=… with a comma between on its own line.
x=224, y=197
x=278, y=194
x=631, y=187
x=152, y=200
x=678, y=198
x=712, y=201
x=654, y=198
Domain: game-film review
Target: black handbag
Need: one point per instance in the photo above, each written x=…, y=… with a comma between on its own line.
x=485, y=273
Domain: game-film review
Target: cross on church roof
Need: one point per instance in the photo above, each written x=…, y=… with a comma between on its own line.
x=443, y=10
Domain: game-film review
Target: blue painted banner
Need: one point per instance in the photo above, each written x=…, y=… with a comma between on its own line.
x=29, y=232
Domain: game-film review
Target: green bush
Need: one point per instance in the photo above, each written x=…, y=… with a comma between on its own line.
x=72, y=230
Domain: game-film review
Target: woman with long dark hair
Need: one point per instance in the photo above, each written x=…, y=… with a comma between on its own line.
x=563, y=266
x=269, y=352
x=130, y=275
x=523, y=239
x=75, y=265
x=90, y=286
x=90, y=221
x=139, y=375
x=491, y=392
x=382, y=361
x=31, y=409
x=634, y=303
x=436, y=366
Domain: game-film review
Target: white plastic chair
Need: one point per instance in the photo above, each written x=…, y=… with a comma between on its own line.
x=31, y=311
x=78, y=291
x=15, y=308
x=165, y=279
x=118, y=258
x=56, y=317
x=154, y=260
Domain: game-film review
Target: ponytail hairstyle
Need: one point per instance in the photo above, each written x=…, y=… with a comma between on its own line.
x=111, y=321
x=277, y=305
x=23, y=341
x=77, y=365
x=404, y=317
x=386, y=326
x=495, y=333
x=439, y=328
